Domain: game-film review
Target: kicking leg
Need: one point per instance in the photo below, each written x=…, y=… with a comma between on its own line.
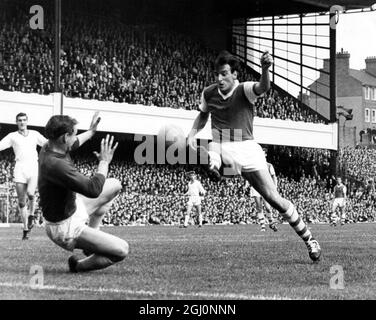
x=263, y=183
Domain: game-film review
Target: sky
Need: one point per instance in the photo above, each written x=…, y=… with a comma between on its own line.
x=356, y=34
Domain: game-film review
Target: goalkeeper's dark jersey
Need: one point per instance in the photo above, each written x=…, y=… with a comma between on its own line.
x=58, y=183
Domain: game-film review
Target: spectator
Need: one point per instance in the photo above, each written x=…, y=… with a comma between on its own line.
x=135, y=64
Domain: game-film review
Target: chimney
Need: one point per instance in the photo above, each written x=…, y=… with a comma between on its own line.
x=343, y=62
x=371, y=65
x=324, y=78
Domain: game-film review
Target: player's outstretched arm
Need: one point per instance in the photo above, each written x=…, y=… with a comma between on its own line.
x=41, y=140
x=87, y=135
x=67, y=175
x=264, y=84
x=198, y=125
x=106, y=154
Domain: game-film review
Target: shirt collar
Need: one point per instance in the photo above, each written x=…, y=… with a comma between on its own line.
x=230, y=93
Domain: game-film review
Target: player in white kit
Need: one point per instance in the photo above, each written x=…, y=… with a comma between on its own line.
x=195, y=192
x=24, y=143
x=339, y=201
x=230, y=104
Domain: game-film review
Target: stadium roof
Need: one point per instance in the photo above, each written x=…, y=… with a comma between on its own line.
x=260, y=8
x=234, y=8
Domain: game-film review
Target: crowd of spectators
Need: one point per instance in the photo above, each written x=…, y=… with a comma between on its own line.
x=154, y=194
x=273, y=105
x=358, y=163
x=150, y=65
x=297, y=162
x=107, y=60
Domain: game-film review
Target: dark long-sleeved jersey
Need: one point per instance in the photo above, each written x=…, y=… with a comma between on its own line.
x=58, y=183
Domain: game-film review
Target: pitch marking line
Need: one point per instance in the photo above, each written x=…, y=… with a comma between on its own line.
x=207, y=295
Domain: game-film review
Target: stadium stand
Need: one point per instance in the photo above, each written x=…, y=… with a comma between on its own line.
x=153, y=194
x=150, y=65
x=142, y=64
x=358, y=163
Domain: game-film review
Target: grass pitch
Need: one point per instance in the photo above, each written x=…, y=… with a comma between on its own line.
x=213, y=262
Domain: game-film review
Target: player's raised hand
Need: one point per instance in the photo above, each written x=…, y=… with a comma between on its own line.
x=107, y=149
x=266, y=60
x=94, y=122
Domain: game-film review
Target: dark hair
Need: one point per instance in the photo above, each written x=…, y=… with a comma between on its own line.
x=21, y=114
x=226, y=57
x=59, y=125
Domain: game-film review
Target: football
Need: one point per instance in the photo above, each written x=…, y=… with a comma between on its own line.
x=172, y=134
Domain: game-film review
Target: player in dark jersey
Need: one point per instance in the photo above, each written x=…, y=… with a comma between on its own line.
x=69, y=199
x=339, y=201
x=230, y=104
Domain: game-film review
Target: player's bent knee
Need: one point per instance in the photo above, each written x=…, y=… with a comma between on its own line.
x=114, y=187
x=114, y=184
x=121, y=252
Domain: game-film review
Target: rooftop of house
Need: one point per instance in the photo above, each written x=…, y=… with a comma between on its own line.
x=364, y=77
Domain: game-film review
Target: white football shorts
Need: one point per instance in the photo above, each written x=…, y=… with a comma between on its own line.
x=65, y=233
x=194, y=201
x=238, y=156
x=339, y=202
x=26, y=172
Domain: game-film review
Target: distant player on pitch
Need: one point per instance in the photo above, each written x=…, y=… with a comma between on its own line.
x=231, y=107
x=195, y=192
x=69, y=199
x=260, y=201
x=339, y=201
x=24, y=143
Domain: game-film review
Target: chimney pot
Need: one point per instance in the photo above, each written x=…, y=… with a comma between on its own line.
x=371, y=65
